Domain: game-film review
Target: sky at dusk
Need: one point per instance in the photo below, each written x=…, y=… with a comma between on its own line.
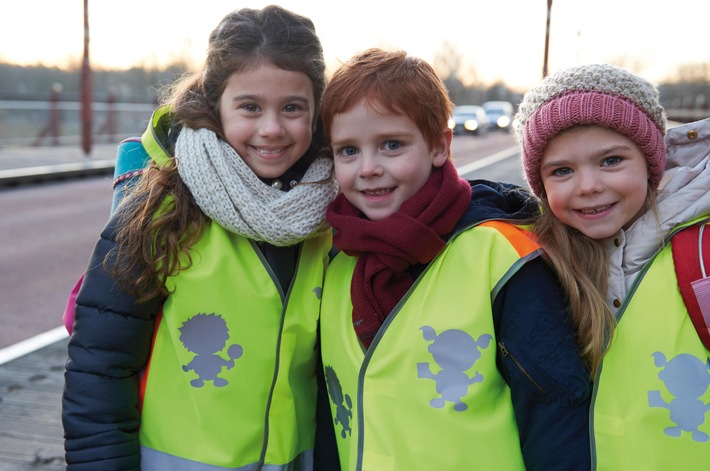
x=500, y=40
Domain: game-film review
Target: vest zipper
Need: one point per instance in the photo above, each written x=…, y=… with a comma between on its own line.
x=504, y=351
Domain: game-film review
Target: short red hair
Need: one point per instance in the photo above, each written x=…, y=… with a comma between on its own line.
x=394, y=81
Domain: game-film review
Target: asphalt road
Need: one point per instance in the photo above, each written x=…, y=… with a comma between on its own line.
x=48, y=230
x=482, y=155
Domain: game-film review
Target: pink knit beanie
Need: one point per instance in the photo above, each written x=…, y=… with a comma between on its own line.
x=598, y=94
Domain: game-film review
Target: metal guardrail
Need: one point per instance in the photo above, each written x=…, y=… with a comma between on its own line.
x=685, y=115
x=56, y=122
x=76, y=106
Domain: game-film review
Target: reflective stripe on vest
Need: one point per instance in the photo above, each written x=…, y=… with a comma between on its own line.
x=651, y=407
x=231, y=376
x=427, y=394
x=152, y=459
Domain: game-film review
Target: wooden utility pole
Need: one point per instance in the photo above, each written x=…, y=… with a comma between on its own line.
x=85, y=85
x=547, y=39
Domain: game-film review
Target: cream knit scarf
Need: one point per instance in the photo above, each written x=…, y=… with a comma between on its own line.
x=230, y=193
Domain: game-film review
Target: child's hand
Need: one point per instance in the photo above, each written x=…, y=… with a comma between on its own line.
x=423, y=371
x=655, y=399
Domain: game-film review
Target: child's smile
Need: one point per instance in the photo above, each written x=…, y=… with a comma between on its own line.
x=381, y=158
x=267, y=115
x=595, y=179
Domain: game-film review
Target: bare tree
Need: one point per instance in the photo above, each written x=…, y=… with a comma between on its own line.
x=460, y=80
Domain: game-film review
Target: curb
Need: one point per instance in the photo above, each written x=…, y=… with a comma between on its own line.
x=20, y=176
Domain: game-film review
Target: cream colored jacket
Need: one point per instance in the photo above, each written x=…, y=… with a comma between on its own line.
x=684, y=195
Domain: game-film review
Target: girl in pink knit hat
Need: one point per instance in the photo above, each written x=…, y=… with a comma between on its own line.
x=593, y=148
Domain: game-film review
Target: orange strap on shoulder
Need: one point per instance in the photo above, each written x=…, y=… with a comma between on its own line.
x=523, y=241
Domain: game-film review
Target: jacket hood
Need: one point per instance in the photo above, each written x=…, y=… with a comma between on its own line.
x=684, y=195
x=500, y=201
x=684, y=191
x=159, y=139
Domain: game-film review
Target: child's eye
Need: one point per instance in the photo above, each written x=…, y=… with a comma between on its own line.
x=346, y=151
x=292, y=108
x=611, y=161
x=250, y=107
x=392, y=145
x=561, y=172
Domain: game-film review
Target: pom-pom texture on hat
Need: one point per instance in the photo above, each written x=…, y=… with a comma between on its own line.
x=598, y=94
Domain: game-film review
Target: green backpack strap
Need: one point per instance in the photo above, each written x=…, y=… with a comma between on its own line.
x=135, y=153
x=691, y=257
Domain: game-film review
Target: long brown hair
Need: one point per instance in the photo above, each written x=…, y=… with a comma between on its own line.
x=161, y=221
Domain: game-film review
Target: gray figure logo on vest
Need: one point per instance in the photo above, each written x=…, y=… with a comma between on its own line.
x=206, y=335
x=455, y=352
x=687, y=378
x=342, y=402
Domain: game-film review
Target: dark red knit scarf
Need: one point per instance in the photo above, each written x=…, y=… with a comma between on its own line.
x=387, y=248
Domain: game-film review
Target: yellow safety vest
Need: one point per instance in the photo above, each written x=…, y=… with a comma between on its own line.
x=427, y=394
x=651, y=407
x=231, y=377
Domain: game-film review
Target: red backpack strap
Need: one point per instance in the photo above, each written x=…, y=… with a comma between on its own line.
x=691, y=257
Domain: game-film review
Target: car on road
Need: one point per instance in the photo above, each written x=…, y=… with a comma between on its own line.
x=469, y=119
x=500, y=114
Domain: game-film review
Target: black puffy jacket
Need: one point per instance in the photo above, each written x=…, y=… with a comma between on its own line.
x=537, y=347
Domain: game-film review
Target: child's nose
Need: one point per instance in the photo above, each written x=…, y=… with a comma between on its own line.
x=370, y=165
x=271, y=125
x=589, y=182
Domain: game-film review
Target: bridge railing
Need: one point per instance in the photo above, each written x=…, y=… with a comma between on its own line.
x=55, y=122
x=686, y=115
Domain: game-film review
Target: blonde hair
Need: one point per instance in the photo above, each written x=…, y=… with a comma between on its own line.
x=580, y=264
x=581, y=267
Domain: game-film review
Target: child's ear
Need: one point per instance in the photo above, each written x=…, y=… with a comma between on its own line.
x=442, y=150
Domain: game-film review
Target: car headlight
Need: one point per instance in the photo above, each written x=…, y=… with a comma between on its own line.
x=451, y=123
x=470, y=124
x=503, y=122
